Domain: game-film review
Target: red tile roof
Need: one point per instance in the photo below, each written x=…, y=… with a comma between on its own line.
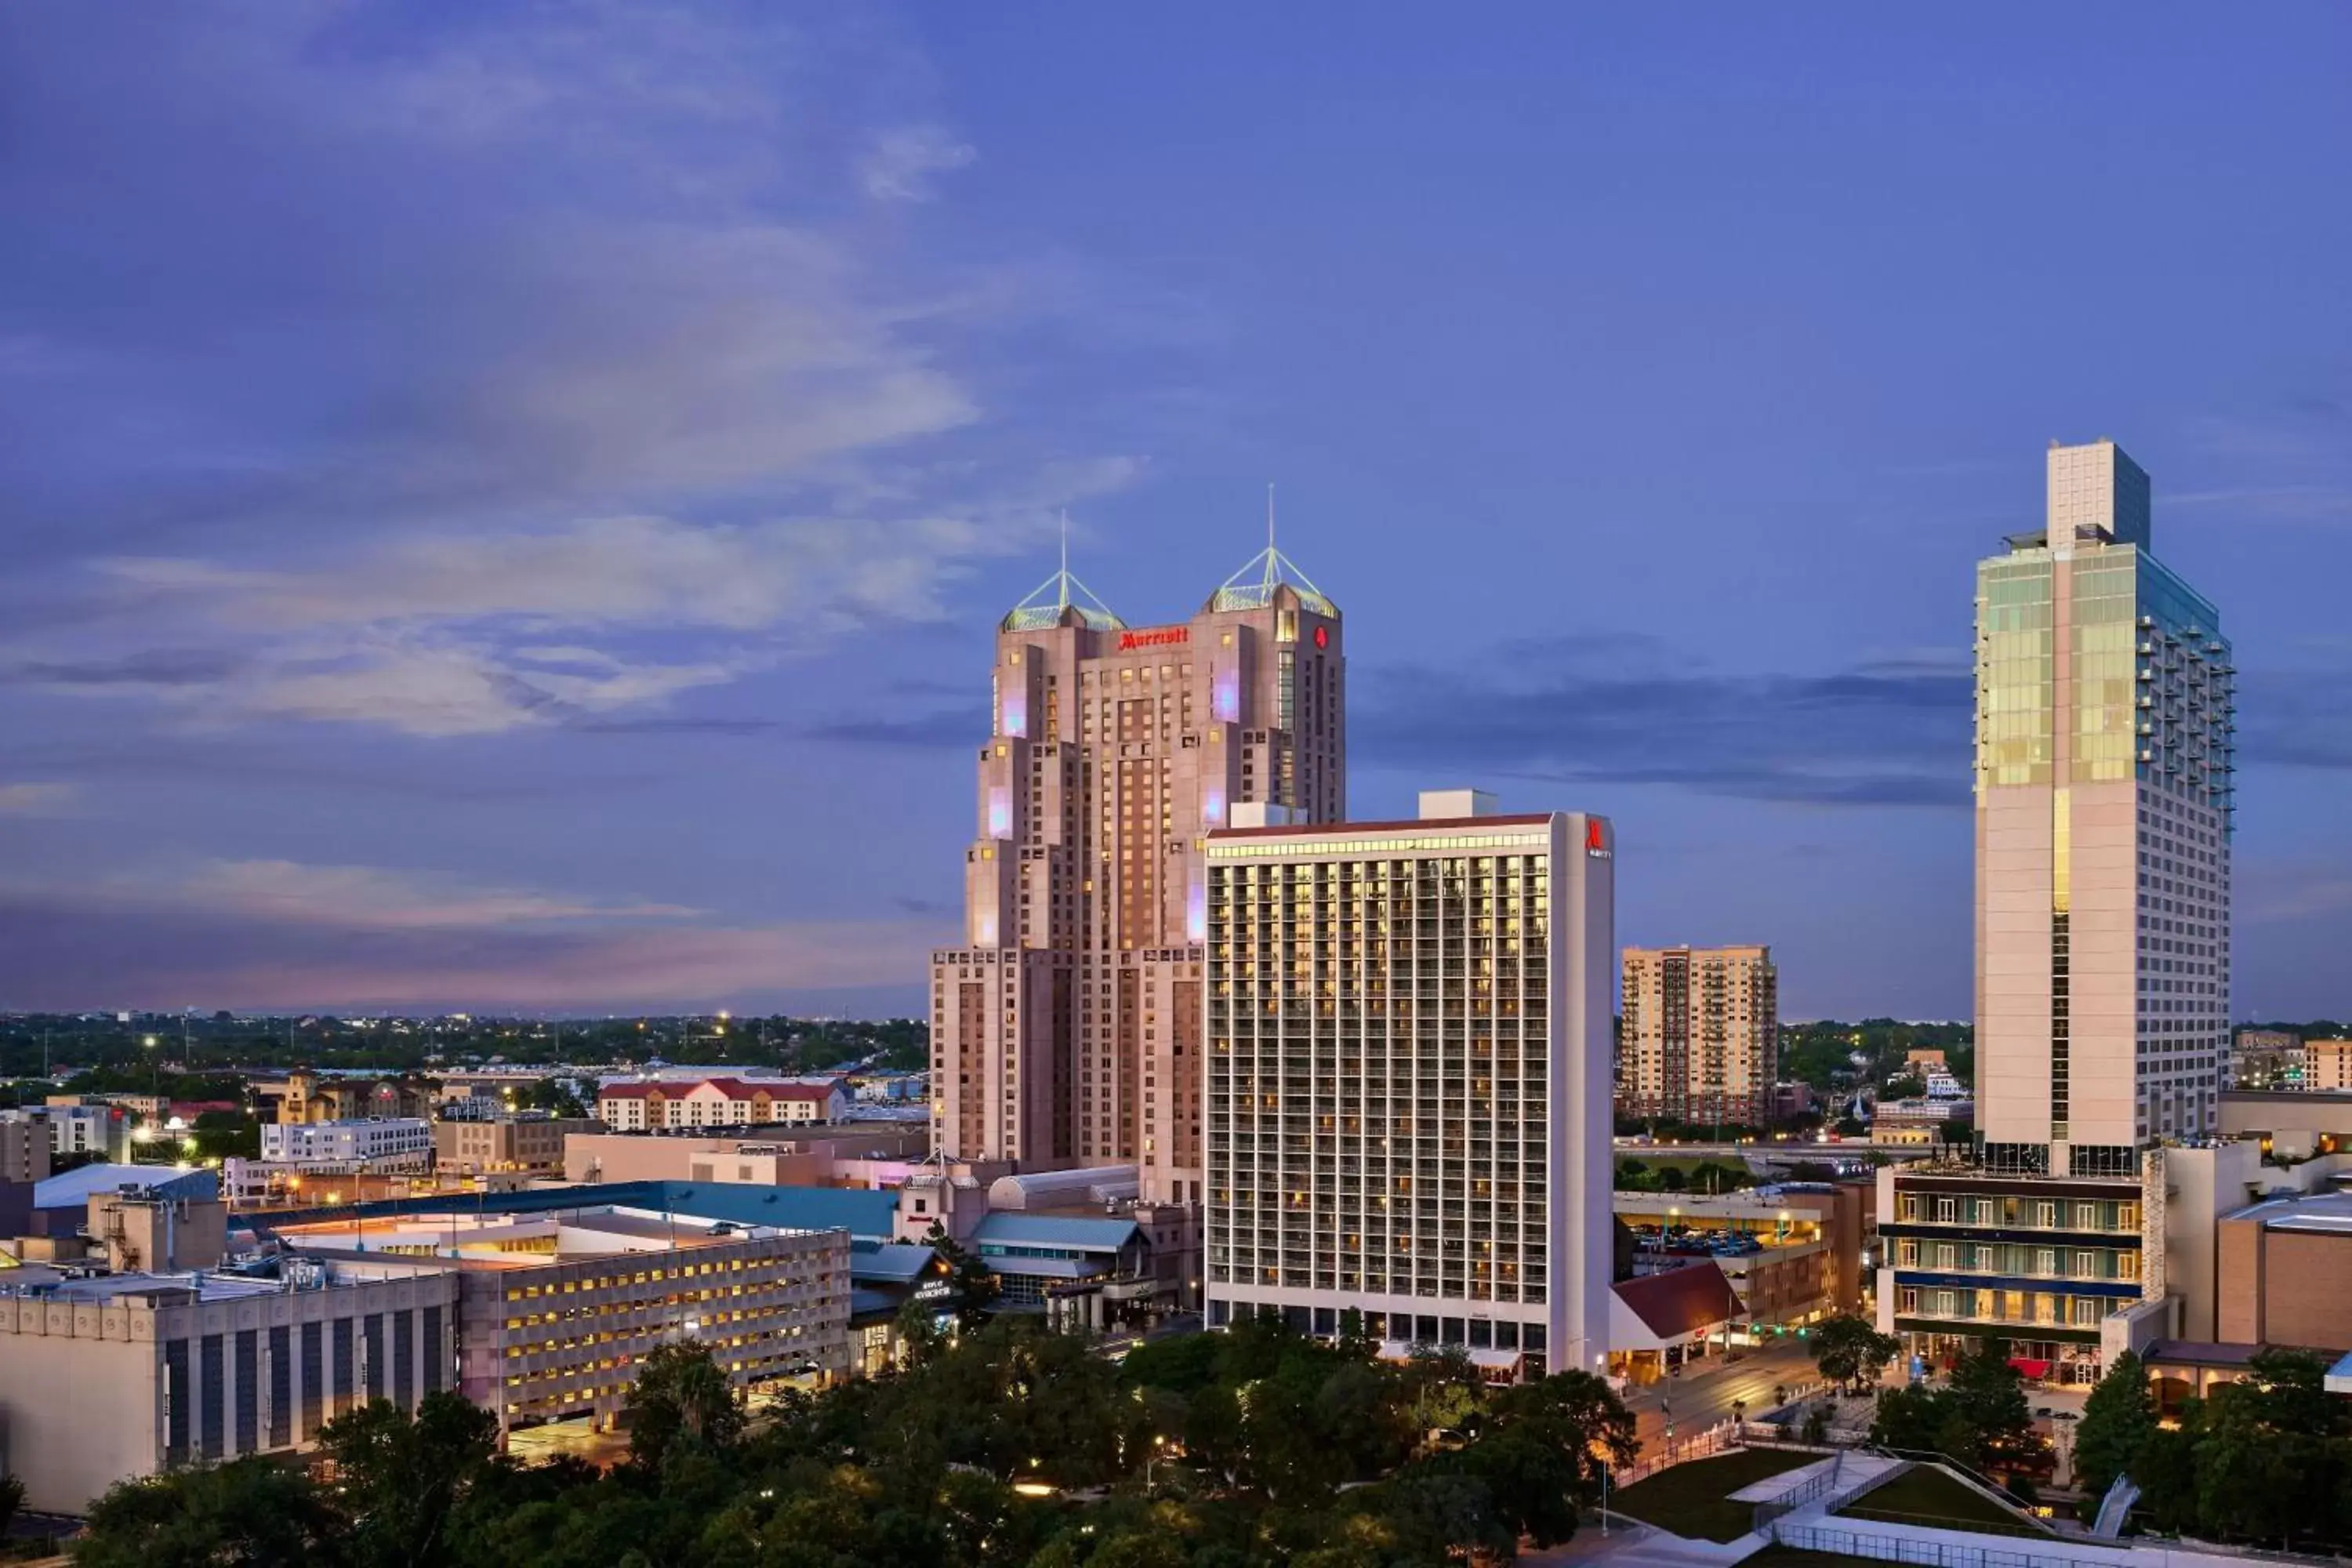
x=732, y=1088
x=1681, y=1301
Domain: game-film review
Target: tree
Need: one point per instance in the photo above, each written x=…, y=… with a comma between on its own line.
x=252, y=1511
x=681, y=1398
x=1849, y=1350
x=976, y=1286
x=2117, y=1422
x=12, y=1498
x=402, y=1477
x=1576, y=1415
x=1988, y=1397
x=917, y=1328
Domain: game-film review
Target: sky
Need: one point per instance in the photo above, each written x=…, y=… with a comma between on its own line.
x=506, y=507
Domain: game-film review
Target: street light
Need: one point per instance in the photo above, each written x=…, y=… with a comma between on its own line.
x=154, y=1064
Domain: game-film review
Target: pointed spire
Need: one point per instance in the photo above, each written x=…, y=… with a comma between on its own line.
x=1271, y=569
x=1068, y=597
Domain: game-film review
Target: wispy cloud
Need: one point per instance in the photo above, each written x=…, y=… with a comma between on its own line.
x=902, y=162
x=638, y=381
x=37, y=799
x=1885, y=733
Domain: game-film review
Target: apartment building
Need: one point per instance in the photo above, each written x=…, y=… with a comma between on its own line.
x=24, y=1151
x=1407, y=1079
x=2040, y=1262
x=378, y=1143
x=72, y=1126
x=2328, y=1065
x=1701, y=1036
x=526, y=1144
x=718, y=1103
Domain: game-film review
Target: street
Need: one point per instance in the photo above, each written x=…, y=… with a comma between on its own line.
x=1704, y=1395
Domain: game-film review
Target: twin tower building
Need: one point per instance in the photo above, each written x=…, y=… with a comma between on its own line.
x=1352, y=1066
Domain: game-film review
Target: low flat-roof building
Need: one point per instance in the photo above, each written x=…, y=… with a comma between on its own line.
x=1792, y=1253
x=558, y=1306
x=809, y=1155
x=108, y=1377
x=2291, y=1123
x=373, y=1142
x=2283, y=1272
x=531, y=1146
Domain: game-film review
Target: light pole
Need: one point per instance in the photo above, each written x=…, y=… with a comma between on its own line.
x=154, y=1067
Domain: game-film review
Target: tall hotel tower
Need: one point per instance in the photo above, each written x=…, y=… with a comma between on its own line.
x=2103, y=768
x=1408, y=1078
x=2103, y=796
x=1066, y=1031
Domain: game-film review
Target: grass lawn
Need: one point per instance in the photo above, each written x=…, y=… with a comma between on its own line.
x=1778, y=1556
x=1687, y=1499
x=1926, y=1495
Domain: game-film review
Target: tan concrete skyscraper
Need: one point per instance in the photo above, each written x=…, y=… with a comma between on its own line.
x=1408, y=1078
x=1702, y=1035
x=2104, y=695
x=1066, y=1030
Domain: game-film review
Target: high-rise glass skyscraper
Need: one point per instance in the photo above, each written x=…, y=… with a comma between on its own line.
x=2103, y=820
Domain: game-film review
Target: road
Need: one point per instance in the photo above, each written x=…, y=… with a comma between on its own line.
x=1704, y=1395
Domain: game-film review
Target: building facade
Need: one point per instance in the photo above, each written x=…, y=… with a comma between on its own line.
x=24, y=1151
x=378, y=1141
x=2328, y=1065
x=2104, y=746
x=76, y=1128
x=556, y=1308
x=718, y=1103
x=1408, y=1079
x=1065, y=1029
x=2103, y=752
x=108, y=1377
x=528, y=1144
x=2268, y=1058
x=1701, y=1037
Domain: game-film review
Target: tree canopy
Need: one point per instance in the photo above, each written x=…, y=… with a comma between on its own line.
x=1009, y=1446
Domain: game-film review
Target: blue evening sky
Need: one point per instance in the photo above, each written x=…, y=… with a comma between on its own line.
x=506, y=505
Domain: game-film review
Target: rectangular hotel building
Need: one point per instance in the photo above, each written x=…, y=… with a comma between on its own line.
x=1408, y=1079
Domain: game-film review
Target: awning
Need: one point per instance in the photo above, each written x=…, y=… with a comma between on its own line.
x=1496, y=1361
x=2027, y=1366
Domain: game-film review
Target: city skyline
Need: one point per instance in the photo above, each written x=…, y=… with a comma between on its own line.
x=548, y=574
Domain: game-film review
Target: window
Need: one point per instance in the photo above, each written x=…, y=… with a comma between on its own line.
x=2045, y=1214
x=2045, y=1261
x=1945, y=1210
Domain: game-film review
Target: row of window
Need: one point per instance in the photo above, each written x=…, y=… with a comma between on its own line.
x=2042, y=1214
x=2048, y=1309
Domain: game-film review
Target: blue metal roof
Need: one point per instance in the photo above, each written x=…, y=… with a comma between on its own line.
x=1029, y=1266
x=74, y=1189
x=867, y=1215
x=897, y=1262
x=1074, y=1232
